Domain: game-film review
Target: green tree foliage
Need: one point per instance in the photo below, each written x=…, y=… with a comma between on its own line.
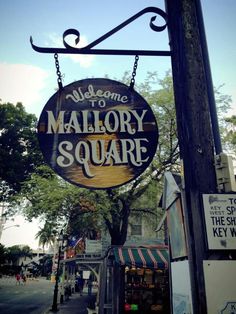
x=19, y=150
x=58, y=204
x=223, y=104
x=47, y=234
x=16, y=251
x=227, y=125
x=3, y=254
x=230, y=134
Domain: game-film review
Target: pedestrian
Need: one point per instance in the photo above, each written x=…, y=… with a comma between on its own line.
x=90, y=285
x=23, y=279
x=18, y=278
x=80, y=283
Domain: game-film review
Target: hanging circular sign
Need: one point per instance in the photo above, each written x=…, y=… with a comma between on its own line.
x=97, y=133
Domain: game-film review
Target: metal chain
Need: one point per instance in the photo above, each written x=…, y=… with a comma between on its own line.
x=134, y=72
x=59, y=76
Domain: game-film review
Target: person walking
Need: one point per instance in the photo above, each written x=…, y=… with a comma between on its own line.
x=90, y=285
x=23, y=279
x=18, y=278
x=80, y=283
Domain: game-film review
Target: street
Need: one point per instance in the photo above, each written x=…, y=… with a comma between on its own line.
x=34, y=297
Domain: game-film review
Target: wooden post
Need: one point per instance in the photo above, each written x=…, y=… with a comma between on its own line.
x=102, y=286
x=194, y=133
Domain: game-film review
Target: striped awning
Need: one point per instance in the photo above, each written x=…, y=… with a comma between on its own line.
x=153, y=258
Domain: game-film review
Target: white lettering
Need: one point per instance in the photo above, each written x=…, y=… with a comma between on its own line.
x=53, y=125
x=125, y=125
x=96, y=152
x=111, y=126
x=61, y=160
x=82, y=155
x=73, y=125
x=95, y=121
x=78, y=95
x=112, y=153
x=139, y=119
x=140, y=149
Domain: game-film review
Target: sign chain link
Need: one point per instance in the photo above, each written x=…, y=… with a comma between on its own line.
x=59, y=75
x=134, y=72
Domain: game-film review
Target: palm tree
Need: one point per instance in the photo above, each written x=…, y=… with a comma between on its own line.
x=46, y=235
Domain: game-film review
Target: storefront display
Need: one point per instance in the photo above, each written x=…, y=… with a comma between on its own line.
x=146, y=280
x=146, y=290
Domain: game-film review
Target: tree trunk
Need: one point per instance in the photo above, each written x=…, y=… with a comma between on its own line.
x=118, y=229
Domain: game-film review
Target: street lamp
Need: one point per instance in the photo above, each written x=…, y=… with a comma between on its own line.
x=61, y=244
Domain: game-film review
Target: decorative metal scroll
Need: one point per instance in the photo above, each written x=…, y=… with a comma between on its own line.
x=88, y=49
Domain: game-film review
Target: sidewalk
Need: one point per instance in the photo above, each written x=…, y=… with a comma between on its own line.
x=75, y=305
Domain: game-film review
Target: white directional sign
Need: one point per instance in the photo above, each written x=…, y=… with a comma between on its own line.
x=220, y=218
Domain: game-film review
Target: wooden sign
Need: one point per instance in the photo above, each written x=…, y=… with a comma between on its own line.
x=97, y=133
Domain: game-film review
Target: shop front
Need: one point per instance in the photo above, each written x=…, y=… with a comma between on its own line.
x=144, y=284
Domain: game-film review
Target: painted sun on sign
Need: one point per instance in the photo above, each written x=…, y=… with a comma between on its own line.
x=98, y=133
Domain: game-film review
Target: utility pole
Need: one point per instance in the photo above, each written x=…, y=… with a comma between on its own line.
x=191, y=88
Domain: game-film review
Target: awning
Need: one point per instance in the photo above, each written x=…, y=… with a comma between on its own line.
x=153, y=258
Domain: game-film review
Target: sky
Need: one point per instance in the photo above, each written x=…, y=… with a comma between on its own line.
x=30, y=77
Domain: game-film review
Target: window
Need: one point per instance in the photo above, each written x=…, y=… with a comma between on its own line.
x=136, y=226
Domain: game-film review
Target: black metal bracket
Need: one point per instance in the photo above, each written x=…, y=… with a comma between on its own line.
x=87, y=49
